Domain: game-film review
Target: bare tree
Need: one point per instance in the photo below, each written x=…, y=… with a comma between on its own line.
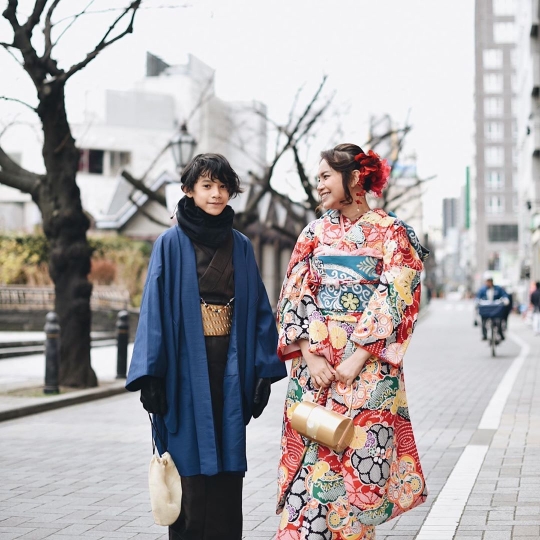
x=404, y=190
x=294, y=138
x=56, y=192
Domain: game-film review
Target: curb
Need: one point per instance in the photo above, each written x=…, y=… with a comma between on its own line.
x=64, y=400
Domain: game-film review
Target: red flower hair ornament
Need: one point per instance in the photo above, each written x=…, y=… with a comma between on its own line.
x=375, y=170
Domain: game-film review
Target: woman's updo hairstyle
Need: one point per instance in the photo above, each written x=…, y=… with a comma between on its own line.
x=346, y=158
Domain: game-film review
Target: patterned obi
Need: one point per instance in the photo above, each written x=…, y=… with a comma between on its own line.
x=344, y=283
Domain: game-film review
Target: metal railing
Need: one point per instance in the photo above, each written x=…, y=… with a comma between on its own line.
x=29, y=298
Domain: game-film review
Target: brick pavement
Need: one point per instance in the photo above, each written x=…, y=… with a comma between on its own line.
x=80, y=472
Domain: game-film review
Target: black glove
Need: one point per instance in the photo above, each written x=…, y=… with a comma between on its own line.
x=153, y=396
x=262, y=395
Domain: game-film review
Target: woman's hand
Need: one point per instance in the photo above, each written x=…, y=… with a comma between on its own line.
x=350, y=368
x=322, y=373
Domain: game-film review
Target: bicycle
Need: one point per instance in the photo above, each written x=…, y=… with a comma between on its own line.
x=493, y=311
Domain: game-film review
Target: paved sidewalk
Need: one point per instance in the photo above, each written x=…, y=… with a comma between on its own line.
x=80, y=472
x=22, y=378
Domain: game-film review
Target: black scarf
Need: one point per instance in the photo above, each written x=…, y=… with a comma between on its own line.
x=202, y=227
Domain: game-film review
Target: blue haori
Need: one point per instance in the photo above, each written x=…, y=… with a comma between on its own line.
x=170, y=344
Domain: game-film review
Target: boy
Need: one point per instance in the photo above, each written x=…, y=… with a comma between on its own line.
x=205, y=350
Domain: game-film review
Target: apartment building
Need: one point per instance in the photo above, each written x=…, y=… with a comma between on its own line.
x=528, y=140
x=496, y=196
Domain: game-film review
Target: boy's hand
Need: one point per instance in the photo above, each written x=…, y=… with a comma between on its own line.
x=261, y=396
x=153, y=396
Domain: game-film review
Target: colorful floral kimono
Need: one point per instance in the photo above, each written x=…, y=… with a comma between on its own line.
x=348, y=285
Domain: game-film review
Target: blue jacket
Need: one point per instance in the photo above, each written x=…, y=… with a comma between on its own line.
x=170, y=343
x=499, y=293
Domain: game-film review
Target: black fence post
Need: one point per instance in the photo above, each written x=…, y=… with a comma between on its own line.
x=122, y=337
x=52, y=353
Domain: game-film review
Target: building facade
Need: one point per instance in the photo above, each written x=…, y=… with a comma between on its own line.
x=131, y=131
x=496, y=196
x=528, y=142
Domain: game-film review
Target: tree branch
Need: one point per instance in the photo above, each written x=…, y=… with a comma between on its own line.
x=103, y=44
x=72, y=22
x=47, y=29
x=26, y=184
x=203, y=98
x=10, y=13
x=147, y=215
x=143, y=188
x=8, y=48
x=308, y=188
x=8, y=165
x=5, y=98
x=33, y=20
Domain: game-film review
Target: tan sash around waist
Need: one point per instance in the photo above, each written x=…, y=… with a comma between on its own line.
x=216, y=319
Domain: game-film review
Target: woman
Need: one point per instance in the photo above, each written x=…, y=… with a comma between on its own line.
x=204, y=354
x=347, y=311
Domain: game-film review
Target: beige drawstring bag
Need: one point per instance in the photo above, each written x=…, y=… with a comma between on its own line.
x=164, y=485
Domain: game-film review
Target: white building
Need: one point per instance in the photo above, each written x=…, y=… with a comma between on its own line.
x=528, y=142
x=496, y=202
x=131, y=130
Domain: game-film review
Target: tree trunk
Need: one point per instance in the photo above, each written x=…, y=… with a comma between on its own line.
x=65, y=225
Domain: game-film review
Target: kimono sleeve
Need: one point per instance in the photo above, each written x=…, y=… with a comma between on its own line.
x=387, y=323
x=148, y=350
x=297, y=298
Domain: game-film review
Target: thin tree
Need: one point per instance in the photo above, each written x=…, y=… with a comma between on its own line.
x=56, y=192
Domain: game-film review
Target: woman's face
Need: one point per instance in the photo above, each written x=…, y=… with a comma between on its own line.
x=211, y=196
x=330, y=187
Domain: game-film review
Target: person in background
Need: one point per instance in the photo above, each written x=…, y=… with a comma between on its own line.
x=535, y=301
x=205, y=350
x=491, y=293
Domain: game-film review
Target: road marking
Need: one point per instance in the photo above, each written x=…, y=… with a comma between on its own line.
x=493, y=413
x=443, y=518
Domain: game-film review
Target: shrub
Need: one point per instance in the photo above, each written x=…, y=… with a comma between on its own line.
x=116, y=261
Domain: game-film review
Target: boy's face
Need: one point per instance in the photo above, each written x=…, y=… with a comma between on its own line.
x=211, y=196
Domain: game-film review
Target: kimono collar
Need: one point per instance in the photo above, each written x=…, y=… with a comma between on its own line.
x=201, y=227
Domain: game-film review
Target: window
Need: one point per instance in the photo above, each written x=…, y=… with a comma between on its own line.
x=118, y=160
x=494, y=204
x=108, y=163
x=493, y=58
x=494, y=180
x=494, y=156
x=493, y=106
x=504, y=32
x=91, y=161
x=493, y=83
x=494, y=131
x=502, y=233
x=504, y=7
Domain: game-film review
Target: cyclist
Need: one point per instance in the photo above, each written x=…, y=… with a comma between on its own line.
x=491, y=293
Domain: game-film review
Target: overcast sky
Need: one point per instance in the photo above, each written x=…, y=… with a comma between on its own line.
x=383, y=56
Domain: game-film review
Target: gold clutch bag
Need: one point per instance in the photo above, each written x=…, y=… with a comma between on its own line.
x=322, y=425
